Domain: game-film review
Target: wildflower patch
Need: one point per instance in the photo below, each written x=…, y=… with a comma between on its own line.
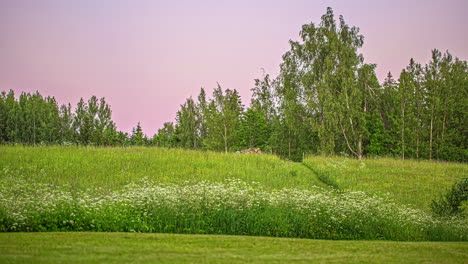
x=230, y=207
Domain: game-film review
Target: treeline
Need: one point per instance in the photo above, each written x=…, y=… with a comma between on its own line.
x=325, y=100
x=34, y=119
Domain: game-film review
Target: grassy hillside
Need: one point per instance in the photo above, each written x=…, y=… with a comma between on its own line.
x=179, y=191
x=166, y=248
x=406, y=181
x=115, y=167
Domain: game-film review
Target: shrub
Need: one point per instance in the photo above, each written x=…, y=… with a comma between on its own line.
x=449, y=204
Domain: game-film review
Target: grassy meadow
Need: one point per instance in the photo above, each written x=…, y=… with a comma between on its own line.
x=405, y=181
x=154, y=190
x=112, y=168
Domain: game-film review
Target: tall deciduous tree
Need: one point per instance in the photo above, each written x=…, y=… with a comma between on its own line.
x=202, y=110
x=165, y=137
x=223, y=115
x=322, y=72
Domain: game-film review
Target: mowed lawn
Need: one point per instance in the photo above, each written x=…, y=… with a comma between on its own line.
x=406, y=181
x=113, y=167
x=171, y=248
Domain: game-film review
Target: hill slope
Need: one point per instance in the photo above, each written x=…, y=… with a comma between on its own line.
x=406, y=181
x=114, y=167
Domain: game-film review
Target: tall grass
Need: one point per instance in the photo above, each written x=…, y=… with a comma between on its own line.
x=85, y=167
x=406, y=181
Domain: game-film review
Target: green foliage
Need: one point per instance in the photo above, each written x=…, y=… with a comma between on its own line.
x=33, y=119
x=66, y=132
x=450, y=203
x=188, y=125
x=263, y=98
x=93, y=124
x=324, y=82
x=222, y=118
x=377, y=139
x=253, y=130
x=138, y=138
x=166, y=136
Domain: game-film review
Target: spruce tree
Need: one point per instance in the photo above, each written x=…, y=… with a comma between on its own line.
x=138, y=138
x=188, y=124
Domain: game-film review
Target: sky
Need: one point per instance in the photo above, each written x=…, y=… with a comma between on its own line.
x=147, y=56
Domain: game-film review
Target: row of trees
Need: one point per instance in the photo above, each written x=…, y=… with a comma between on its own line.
x=33, y=119
x=325, y=100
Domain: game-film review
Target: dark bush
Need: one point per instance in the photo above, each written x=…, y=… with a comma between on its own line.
x=449, y=204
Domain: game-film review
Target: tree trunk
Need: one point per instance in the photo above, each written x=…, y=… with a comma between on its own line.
x=359, y=155
x=430, y=138
x=443, y=128
x=360, y=148
x=34, y=134
x=225, y=139
x=403, y=131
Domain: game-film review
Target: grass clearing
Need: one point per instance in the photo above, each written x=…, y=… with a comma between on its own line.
x=171, y=248
x=407, y=181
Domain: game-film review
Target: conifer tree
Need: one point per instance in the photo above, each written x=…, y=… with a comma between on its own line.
x=138, y=138
x=188, y=124
x=253, y=130
x=82, y=123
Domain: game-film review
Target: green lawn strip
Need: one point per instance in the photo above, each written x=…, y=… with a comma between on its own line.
x=113, y=167
x=407, y=181
x=170, y=248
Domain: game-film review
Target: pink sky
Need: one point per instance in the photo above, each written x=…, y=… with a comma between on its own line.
x=147, y=57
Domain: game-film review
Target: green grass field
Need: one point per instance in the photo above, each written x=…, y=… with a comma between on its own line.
x=171, y=248
x=405, y=181
x=154, y=190
x=115, y=167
